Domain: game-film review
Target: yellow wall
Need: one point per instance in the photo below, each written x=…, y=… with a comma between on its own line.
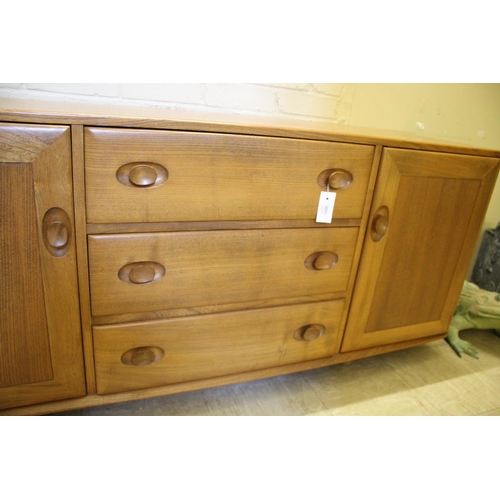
x=468, y=113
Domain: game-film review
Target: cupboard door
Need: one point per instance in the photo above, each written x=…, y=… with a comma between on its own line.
x=426, y=217
x=40, y=340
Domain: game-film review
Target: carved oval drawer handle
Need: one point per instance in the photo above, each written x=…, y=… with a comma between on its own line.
x=380, y=224
x=142, y=175
x=142, y=356
x=321, y=261
x=309, y=332
x=141, y=273
x=335, y=178
x=56, y=230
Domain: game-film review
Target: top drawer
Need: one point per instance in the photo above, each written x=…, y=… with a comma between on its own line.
x=163, y=176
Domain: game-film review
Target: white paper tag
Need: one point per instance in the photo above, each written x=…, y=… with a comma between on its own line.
x=325, y=207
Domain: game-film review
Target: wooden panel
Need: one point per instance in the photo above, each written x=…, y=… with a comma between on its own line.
x=217, y=177
x=77, y=151
x=410, y=279
x=216, y=267
x=48, y=291
x=413, y=284
x=24, y=352
x=165, y=227
x=212, y=309
x=213, y=345
x=61, y=113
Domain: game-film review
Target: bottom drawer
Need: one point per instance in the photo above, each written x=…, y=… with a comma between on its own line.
x=150, y=354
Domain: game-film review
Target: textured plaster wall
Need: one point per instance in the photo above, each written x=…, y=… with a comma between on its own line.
x=468, y=113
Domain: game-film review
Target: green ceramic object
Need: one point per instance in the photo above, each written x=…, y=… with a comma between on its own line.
x=477, y=308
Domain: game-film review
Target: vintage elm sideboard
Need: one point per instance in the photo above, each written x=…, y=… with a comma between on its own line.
x=146, y=252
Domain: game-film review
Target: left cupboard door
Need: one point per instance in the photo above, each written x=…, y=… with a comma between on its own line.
x=41, y=357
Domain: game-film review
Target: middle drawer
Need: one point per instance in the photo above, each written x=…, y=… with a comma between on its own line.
x=160, y=271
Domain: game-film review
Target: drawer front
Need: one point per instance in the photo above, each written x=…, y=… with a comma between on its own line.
x=141, y=355
x=160, y=271
x=160, y=176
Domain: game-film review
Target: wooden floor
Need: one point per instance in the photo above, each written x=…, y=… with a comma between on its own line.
x=425, y=380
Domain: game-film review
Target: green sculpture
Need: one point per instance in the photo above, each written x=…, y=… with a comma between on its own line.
x=477, y=308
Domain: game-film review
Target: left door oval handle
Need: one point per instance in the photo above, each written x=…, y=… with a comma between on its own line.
x=56, y=231
x=380, y=224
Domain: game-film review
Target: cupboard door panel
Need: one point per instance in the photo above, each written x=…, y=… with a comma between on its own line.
x=426, y=215
x=25, y=351
x=40, y=340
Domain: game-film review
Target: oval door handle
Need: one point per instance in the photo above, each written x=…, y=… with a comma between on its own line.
x=56, y=231
x=380, y=224
x=309, y=332
x=335, y=178
x=142, y=175
x=57, y=234
x=141, y=273
x=321, y=261
x=142, y=356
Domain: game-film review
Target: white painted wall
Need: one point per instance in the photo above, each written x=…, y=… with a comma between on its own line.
x=328, y=102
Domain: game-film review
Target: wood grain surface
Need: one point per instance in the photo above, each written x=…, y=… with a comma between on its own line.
x=25, y=349
x=40, y=349
x=216, y=267
x=410, y=278
x=206, y=264
x=214, y=345
x=214, y=177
